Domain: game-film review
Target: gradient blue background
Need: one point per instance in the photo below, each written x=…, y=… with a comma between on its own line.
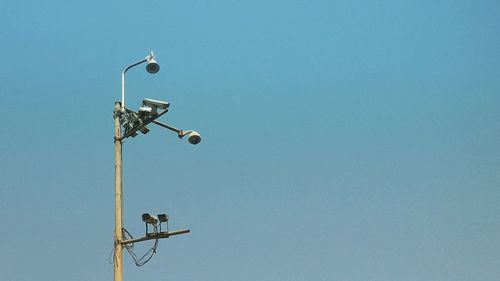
x=342, y=140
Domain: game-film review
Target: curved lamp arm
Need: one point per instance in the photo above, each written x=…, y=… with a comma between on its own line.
x=150, y=57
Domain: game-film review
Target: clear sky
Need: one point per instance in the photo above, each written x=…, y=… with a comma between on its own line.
x=342, y=140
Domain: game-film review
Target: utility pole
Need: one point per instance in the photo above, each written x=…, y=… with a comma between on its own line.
x=134, y=122
x=118, y=257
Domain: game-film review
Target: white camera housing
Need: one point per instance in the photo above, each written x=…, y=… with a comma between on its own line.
x=194, y=137
x=156, y=103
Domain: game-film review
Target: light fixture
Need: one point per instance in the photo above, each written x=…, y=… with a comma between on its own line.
x=152, y=66
x=163, y=217
x=194, y=137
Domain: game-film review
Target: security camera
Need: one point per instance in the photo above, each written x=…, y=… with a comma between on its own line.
x=163, y=217
x=156, y=103
x=194, y=137
x=145, y=110
x=148, y=218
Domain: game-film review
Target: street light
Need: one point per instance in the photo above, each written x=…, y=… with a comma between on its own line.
x=193, y=136
x=132, y=122
x=152, y=67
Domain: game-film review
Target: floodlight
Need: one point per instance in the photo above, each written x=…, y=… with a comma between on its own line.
x=163, y=217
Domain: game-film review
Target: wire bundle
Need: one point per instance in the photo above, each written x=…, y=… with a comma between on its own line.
x=130, y=248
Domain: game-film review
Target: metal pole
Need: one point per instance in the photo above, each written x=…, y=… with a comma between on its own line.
x=118, y=258
x=123, y=80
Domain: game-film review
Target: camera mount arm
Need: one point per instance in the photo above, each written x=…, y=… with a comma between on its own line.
x=160, y=235
x=180, y=133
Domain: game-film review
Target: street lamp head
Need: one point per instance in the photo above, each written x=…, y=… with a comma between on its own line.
x=194, y=138
x=152, y=66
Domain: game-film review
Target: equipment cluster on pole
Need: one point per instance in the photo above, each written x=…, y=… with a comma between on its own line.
x=133, y=122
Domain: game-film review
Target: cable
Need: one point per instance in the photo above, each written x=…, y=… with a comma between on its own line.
x=111, y=254
x=130, y=248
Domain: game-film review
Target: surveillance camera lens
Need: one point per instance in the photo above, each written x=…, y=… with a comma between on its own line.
x=153, y=68
x=194, y=139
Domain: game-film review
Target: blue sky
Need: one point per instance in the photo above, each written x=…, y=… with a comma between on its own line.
x=342, y=140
